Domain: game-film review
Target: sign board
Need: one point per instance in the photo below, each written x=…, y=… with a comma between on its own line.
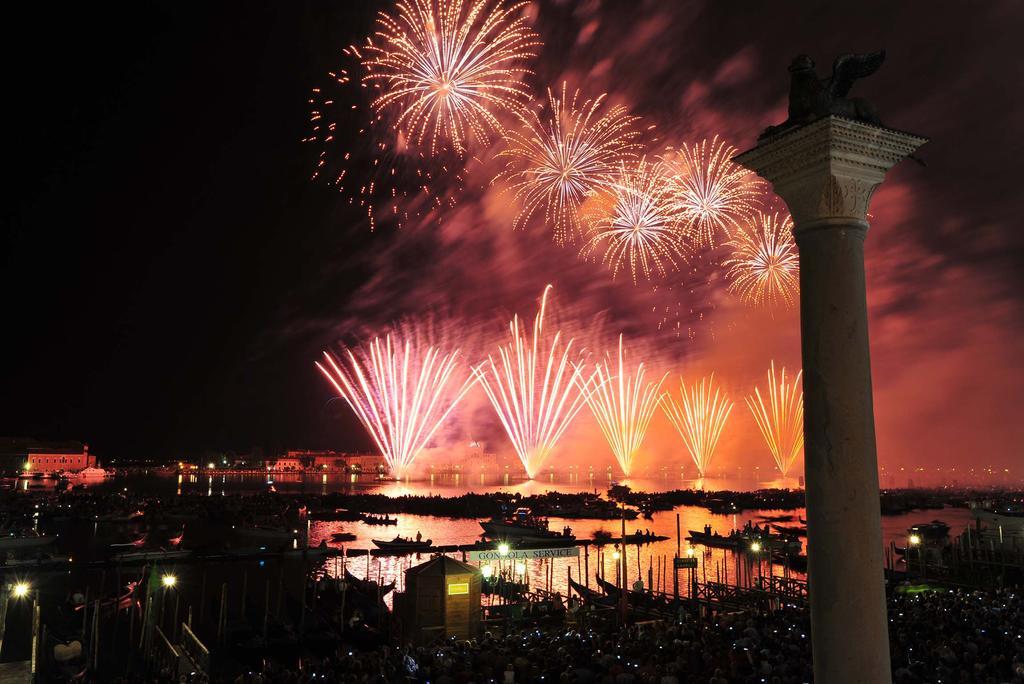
x=681, y=563
x=458, y=588
x=524, y=554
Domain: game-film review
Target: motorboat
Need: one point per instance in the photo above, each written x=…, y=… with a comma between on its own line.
x=522, y=525
x=403, y=544
x=379, y=520
x=24, y=539
x=151, y=555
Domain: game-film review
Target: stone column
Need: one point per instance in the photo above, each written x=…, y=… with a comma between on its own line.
x=826, y=172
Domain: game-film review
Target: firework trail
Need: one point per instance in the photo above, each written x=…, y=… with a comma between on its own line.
x=699, y=418
x=448, y=66
x=637, y=222
x=365, y=159
x=714, y=194
x=401, y=391
x=536, y=387
x=781, y=420
x=623, y=405
x=764, y=268
x=559, y=158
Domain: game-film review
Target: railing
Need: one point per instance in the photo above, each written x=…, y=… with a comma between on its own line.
x=164, y=656
x=784, y=588
x=195, y=649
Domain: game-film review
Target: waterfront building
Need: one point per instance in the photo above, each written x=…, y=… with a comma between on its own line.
x=33, y=456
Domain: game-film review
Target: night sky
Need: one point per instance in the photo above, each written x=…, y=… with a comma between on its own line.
x=170, y=272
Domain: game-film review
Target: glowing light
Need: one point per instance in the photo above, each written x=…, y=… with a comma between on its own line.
x=447, y=67
x=520, y=568
x=755, y=546
x=616, y=555
x=21, y=589
x=690, y=552
x=361, y=155
x=536, y=388
x=168, y=580
x=781, y=418
x=764, y=268
x=401, y=391
x=503, y=549
x=714, y=194
x=623, y=405
x=556, y=160
x=487, y=571
x=699, y=419
x=915, y=540
x=637, y=221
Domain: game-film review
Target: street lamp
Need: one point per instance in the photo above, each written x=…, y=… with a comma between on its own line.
x=487, y=571
x=755, y=546
x=168, y=581
x=915, y=540
x=690, y=552
x=503, y=549
x=21, y=589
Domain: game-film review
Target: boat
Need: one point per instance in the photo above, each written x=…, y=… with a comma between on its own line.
x=90, y=473
x=742, y=541
x=776, y=518
x=155, y=554
x=367, y=587
x=635, y=538
x=379, y=520
x=38, y=559
x=402, y=544
x=933, y=534
x=1000, y=520
x=522, y=525
x=789, y=531
x=24, y=540
x=794, y=561
x=343, y=537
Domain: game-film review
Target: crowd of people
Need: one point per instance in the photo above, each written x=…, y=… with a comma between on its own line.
x=959, y=637
x=936, y=636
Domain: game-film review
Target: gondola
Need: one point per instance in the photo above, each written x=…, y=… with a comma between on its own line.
x=367, y=587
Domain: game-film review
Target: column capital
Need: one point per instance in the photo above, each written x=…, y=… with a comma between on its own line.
x=826, y=171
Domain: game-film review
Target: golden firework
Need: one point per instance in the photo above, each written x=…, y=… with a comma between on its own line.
x=623, y=405
x=449, y=67
x=781, y=418
x=699, y=418
x=636, y=221
x=536, y=387
x=714, y=194
x=401, y=391
x=560, y=157
x=764, y=268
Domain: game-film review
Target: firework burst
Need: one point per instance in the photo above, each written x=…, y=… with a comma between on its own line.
x=637, y=222
x=699, y=418
x=714, y=194
x=623, y=405
x=366, y=160
x=536, y=387
x=401, y=391
x=781, y=419
x=764, y=268
x=559, y=158
x=448, y=66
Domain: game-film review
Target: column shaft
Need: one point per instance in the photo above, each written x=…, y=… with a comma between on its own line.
x=845, y=559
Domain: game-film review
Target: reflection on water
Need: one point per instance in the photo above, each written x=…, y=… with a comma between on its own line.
x=651, y=562
x=573, y=480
